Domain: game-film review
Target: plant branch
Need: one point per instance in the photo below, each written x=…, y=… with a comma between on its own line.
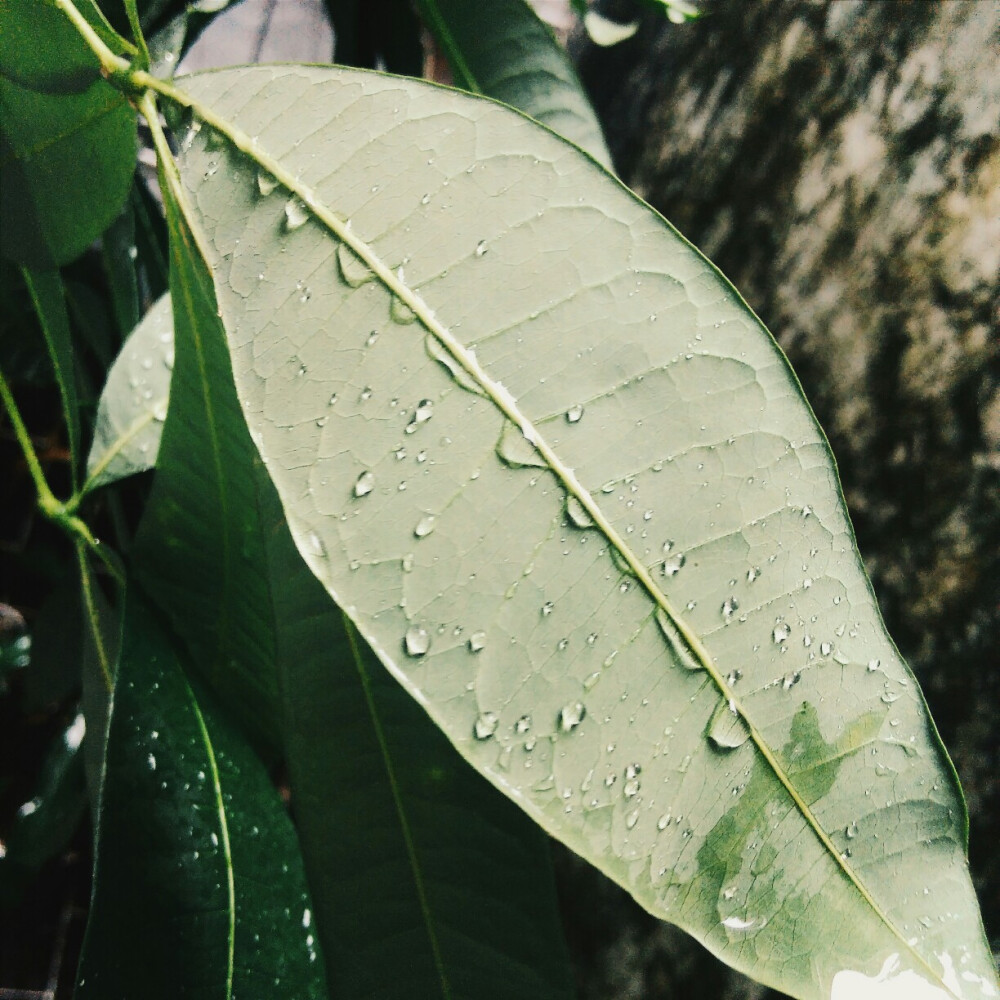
x=60, y=513
x=111, y=65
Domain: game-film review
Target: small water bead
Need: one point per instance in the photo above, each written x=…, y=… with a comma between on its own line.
x=423, y=412
x=364, y=485
x=873, y=665
x=485, y=725
x=631, y=788
x=729, y=608
x=663, y=822
x=851, y=831
x=547, y=608
x=781, y=632
x=753, y=573
x=400, y=453
x=826, y=648
x=592, y=638
x=481, y=248
x=366, y=394
x=424, y=526
x=791, y=680
x=590, y=680
x=674, y=564
x=632, y=818
x=296, y=214
x=522, y=725
x=371, y=338
x=160, y=411
x=425, y=199
x=563, y=643
x=571, y=715
x=406, y=563
x=421, y=457
x=573, y=414
x=416, y=641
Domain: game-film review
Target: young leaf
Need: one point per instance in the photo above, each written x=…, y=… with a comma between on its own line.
x=497, y=392
x=199, y=889
x=511, y=55
x=377, y=792
x=133, y=404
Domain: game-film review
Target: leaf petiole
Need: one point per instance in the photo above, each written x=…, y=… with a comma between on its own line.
x=62, y=513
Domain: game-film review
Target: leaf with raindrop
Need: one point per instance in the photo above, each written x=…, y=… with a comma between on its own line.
x=134, y=400
x=199, y=884
x=637, y=465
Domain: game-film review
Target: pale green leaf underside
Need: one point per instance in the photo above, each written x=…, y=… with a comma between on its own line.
x=557, y=656
x=133, y=403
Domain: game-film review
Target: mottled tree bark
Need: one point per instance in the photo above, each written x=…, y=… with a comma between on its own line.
x=840, y=162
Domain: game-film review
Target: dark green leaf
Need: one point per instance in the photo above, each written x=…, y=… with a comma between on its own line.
x=66, y=164
x=42, y=50
x=199, y=890
x=199, y=544
x=45, y=824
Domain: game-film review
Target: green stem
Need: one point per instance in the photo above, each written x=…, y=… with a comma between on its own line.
x=112, y=65
x=49, y=505
x=140, y=40
x=62, y=514
x=93, y=617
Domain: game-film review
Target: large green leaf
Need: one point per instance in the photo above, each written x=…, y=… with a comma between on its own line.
x=199, y=889
x=384, y=806
x=568, y=489
x=510, y=55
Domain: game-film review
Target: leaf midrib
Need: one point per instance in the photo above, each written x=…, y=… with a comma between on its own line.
x=507, y=405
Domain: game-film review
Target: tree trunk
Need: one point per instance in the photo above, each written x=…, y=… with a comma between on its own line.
x=840, y=162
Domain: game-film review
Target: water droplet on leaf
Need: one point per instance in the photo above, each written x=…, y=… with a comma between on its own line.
x=265, y=183
x=364, y=485
x=424, y=526
x=573, y=414
x=485, y=725
x=674, y=564
x=727, y=729
x=352, y=268
x=416, y=641
x=477, y=641
x=578, y=515
x=516, y=450
x=676, y=641
x=296, y=213
x=571, y=715
x=423, y=412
